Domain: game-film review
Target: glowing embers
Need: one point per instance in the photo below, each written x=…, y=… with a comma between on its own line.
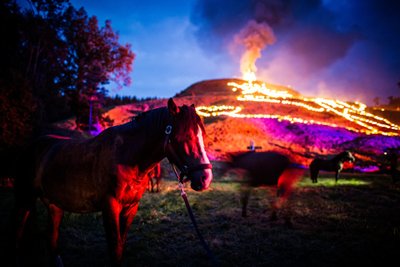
x=354, y=113
x=355, y=116
x=252, y=91
x=217, y=110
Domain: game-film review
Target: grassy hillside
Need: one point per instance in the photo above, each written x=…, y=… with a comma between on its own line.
x=302, y=141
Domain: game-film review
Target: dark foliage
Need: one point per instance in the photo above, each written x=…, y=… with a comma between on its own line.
x=54, y=62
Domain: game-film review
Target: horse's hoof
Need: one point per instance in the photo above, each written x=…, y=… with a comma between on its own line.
x=59, y=262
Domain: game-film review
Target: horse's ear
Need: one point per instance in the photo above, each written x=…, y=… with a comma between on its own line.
x=172, y=107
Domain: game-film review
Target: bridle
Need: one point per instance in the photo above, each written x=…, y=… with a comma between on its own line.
x=184, y=168
x=176, y=162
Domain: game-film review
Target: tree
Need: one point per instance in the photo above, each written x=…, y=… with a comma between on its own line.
x=53, y=59
x=19, y=108
x=95, y=57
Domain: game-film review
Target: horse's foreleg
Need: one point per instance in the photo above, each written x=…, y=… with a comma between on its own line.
x=244, y=198
x=55, y=216
x=151, y=185
x=111, y=221
x=126, y=219
x=314, y=174
x=158, y=184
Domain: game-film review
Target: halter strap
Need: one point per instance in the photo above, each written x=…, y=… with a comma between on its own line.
x=184, y=168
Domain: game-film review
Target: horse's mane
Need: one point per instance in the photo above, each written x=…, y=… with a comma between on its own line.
x=185, y=123
x=154, y=117
x=342, y=154
x=188, y=119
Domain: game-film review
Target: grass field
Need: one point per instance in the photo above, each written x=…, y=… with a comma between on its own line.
x=355, y=222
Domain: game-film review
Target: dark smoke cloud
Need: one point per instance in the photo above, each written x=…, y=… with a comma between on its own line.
x=336, y=48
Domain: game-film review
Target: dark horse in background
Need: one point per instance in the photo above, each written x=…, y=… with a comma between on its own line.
x=155, y=178
x=392, y=157
x=267, y=168
x=334, y=165
x=108, y=173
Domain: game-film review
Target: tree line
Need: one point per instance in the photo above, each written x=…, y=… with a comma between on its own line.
x=54, y=63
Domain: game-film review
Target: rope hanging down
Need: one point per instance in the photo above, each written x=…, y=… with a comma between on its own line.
x=185, y=199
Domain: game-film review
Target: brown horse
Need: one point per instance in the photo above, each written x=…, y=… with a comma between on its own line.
x=267, y=169
x=108, y=173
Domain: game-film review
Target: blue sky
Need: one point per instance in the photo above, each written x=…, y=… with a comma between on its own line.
x=168, y=57
x=340, y=49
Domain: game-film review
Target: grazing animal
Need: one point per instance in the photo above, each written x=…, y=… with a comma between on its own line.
x=267, y=169
x=108, y=173
x=392, y=158
x=335, y=164
x=154, y=178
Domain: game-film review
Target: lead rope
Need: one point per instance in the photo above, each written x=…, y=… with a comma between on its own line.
x=211, y=255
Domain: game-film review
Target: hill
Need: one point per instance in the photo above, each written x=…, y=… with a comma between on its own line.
x=294, y=125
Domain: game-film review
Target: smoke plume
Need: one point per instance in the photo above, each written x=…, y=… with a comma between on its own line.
x=254, y=37
x=349, y=47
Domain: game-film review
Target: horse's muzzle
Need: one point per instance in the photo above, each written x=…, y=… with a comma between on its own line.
x=201, y=179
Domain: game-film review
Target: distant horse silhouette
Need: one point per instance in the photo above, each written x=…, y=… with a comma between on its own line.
x=108, y=173
x=154, y=178
x=335, y=164
x=267, y=169
x=392, y=156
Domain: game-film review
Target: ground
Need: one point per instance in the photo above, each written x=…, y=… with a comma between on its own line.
x=355, y=222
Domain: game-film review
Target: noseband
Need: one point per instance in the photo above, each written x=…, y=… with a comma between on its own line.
x=174, y=159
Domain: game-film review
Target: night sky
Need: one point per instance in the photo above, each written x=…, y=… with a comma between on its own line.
x=332, y=48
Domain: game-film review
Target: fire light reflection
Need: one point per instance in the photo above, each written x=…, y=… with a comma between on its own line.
x=256, y=92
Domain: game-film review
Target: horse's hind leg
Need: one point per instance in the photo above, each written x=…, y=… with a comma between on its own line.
x=244, y=198
x=158, y=184
x=55, y=217
x=336, y=176
x=151, y=185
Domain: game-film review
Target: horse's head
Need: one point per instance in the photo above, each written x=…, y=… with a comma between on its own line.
x=347, y=156
x=185, y=146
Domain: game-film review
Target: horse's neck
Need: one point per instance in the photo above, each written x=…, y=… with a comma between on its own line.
x=339, y=158
x=148, y=136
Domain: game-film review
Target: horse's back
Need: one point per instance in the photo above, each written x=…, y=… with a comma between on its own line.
x=324, y=164
x=65, y=172
x=264, y=168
